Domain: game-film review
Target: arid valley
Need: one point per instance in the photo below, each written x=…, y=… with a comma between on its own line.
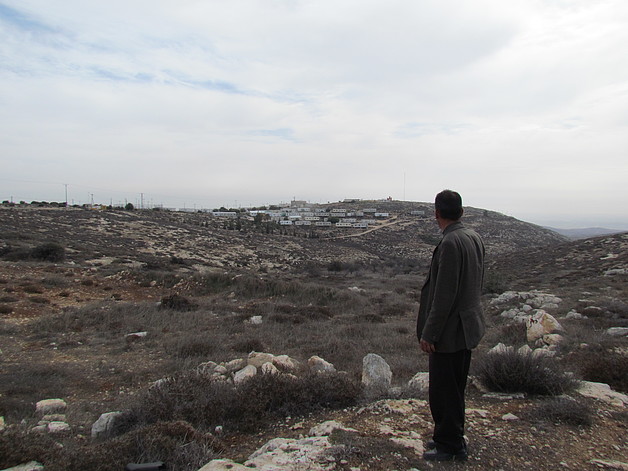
x=147, y=312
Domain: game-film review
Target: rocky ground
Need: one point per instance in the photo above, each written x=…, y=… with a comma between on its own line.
x=128, y=259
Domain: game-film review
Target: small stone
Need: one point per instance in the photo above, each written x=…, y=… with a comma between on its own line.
x=509, y=417
x=244, y=374
x=269, y=369
x=235, y=365
x=420, y=382
x=617, y=331
x=318, y=365
x=50, y=406
x=58, y=427
x=30, y=466
x=326, y=428
x=257, y=359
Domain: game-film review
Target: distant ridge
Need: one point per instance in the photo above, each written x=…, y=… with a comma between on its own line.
x=585, y=233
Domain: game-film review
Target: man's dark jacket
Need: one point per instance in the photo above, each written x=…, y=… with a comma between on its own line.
x=450, y=313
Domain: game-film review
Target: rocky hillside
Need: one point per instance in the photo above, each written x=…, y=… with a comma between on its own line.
x=203, y=241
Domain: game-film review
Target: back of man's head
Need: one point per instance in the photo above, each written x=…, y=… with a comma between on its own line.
x=449, y=204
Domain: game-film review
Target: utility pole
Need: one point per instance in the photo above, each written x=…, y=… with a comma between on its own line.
x=141, y=200
x=404, y=186
x=66, y=195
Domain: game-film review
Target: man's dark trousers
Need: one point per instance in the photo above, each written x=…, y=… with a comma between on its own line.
x=448, y=379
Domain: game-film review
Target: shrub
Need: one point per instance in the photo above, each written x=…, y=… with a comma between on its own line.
x=512, y=372
x=596, y=363
x=48, y=252
x=335, y=265
x=194, y=397
x=196, y=346
x=4, y=309
x=176, y=443
x=177, y=302
x=39, y=300
x=561, y=410
x=32, y=289
x=248, y=345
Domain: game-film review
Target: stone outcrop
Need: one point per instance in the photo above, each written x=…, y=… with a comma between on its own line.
x=603, y=392
x=541, y=323
x=311, y=453
x=103, y=427
x=376, y=373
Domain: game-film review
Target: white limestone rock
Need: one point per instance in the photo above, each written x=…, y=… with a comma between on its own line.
x=224, y=465
x=602, y=392
x=257, y=359
x=617, y=331
x=510, y=417
x=319, y=365
x=269, y=369
x=420, y=382
x=326, y=428
x=30, y=466
x=376, y=372
x=311, y=453
x=505, y=297
x=501, y=348
x=103, y=427
x=541, y=323
x=235, y=365
x=244, y=374
x=50, y=406
x=286, y=364
x=58, y=427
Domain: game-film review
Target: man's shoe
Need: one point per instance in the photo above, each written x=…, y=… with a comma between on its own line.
x=435, y=455
x=430, y=445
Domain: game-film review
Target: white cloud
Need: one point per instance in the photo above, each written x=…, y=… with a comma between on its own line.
x=514, y=103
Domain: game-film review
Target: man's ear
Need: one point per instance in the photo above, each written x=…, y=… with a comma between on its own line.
x=437, y=213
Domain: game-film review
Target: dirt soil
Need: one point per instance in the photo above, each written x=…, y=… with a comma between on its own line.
x=494, y=442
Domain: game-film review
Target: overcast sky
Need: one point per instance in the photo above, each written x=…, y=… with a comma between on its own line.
x=520, y=105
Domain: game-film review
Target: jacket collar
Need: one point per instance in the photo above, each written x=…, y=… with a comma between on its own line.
x=453, y=227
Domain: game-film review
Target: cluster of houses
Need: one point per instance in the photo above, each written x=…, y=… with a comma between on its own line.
x=319, y=217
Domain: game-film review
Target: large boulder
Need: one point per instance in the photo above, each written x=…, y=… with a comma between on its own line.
x=541, y=323
x=376, y=373
x=105, y=424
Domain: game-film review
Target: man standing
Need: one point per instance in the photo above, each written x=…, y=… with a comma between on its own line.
x=450, y=324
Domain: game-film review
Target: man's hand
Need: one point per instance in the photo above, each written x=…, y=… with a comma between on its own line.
x=427, y=347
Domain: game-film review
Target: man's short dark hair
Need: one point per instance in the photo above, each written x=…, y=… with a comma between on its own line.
x=449, y=204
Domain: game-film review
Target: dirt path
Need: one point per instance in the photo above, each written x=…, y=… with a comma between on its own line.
x=392, y=222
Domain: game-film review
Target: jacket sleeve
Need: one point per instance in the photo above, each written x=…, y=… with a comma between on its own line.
x=445, y=291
